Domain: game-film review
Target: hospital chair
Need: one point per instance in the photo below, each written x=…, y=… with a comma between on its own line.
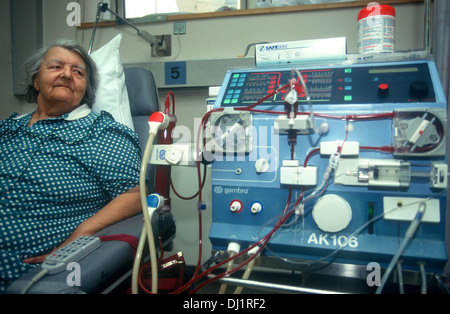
x=107, y=267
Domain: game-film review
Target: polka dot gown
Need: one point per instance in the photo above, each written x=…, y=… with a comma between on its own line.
x=54, y=175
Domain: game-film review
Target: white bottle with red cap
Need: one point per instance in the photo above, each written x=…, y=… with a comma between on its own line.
x=376, y=29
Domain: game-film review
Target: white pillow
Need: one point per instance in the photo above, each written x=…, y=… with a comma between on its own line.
x=112, y=95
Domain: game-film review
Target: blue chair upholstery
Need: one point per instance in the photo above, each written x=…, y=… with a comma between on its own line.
x=112, y=262
x=144, y=101
x=143, y=97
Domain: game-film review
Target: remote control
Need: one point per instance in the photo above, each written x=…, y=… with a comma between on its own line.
x=72, y=252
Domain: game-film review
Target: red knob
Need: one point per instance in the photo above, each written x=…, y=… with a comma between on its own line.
x=383, y=89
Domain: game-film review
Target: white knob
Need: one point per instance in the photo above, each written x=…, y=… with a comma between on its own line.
x=174, y=155
x=261, y=165
x=324, y=127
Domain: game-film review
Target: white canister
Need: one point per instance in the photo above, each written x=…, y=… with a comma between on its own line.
x=376, y=28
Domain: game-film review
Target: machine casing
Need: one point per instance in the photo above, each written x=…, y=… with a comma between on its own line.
x=256, y=165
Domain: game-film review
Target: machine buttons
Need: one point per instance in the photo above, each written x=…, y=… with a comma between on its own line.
x=332, y=213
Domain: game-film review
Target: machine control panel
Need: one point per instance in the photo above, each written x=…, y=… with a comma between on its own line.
x=366, y=84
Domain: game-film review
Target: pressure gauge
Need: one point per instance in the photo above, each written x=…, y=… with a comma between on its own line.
x=231, y=132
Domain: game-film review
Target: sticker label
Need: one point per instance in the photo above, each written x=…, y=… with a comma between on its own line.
x=175, y=73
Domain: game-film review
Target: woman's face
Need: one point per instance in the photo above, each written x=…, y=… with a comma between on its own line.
x=61, y=80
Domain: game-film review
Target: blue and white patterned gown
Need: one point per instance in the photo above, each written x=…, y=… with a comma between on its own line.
x=56, y=174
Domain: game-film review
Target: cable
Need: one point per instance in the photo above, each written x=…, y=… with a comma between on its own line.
x=223, y=287
x=423, y=275
x=157, y=121
x=248, y=269
x=308, y=98
x=298, y=207
x=137, y=262
x=400, y=277
x=269, y=95
x=409, y=234
x=35, y=279
x=147, y=219
x=233, y=249
x=331, y=255
x=200, y=205
x=186, y=198
x=360, y=117
x=262, y=243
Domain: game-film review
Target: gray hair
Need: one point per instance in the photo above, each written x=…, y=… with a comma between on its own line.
x=33, y=64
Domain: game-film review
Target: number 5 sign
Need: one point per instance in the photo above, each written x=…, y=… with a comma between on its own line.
x=175, y=73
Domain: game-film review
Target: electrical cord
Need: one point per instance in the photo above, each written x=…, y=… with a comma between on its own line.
x=248, y=269
x=186, y=198
x=233, y=249
x=408, y=235
x=262, y=243
x=157, y=121
x=423, y=275
x=400, y=277
x=308, y=98
x=147, y=231
x=35, y=279
x=137, y=261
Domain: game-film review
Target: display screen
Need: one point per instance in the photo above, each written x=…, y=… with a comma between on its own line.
x=393, y=70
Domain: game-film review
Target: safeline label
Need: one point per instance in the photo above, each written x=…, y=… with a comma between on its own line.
x=300, y=51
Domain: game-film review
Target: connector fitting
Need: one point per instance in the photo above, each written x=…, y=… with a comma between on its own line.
x=233, y=247
x=158, y=121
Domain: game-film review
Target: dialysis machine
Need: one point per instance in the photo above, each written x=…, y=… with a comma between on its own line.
x=340, y=158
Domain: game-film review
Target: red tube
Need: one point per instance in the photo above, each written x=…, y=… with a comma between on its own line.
x=163, y=172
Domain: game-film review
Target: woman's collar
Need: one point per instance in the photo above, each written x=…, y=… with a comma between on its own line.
x=78, y=113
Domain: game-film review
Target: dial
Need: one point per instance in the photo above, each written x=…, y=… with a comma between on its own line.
x=383, y=89
x=332, y=213
x=418, y=89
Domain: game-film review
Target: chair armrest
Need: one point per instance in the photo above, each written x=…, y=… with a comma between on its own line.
x=111, y=262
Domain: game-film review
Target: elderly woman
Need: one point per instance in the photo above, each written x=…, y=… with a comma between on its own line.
x=64, y=170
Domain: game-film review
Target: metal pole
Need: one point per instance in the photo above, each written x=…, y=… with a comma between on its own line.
x=273, y=287
x=427, y=26
x=103, y=7
x=97, y=18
